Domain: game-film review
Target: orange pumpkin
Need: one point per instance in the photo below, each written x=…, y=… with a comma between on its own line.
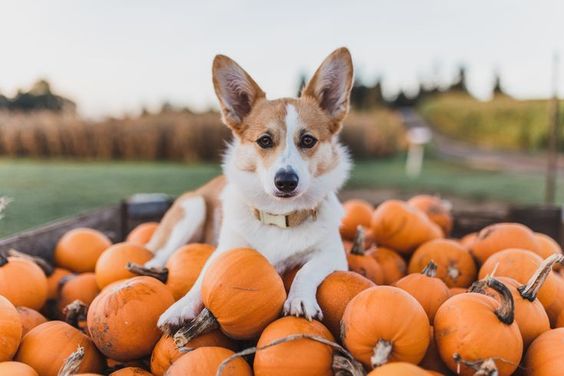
x=53, y=282
x=288, y=277
x=10, y=329
x=432, y=359
x=142, y=233
x=184, y=267
x=361, y=263
x=29, y=318
x=546, y=247
x=555, y=309
x=468, y=239
x=47, y=346
x=22, y=282
x=131, y=371
x=399, y=368
x=16, y=369
x=402, y=227
x=477, y=327
x=500, y=236
x=111, y=265
x=429, y=291
x=385, y=324
x=456, y=290
x=392, y=264
x=122, y=320
x=544, y=357
x=438, y=210
x=204, y=361
x=357, y=213
x=455, y=266
x=79, y=249
x=309, y=358
x=335, y=292
x=81, y=287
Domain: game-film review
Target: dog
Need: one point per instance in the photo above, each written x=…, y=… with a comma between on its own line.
x=278, y=192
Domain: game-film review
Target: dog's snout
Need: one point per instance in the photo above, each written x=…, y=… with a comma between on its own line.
x=286, y=181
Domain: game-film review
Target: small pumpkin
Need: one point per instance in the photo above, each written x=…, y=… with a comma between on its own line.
x=79, y=249
x=544, y=356
x=16, y=369
x=437, y=209
x=122, y=320
x=131, y=371
x=402, y=227
x=22, y=282
x=112, y=264
x=429, y=291
x=392, y=264
x=53, y=282
x=10, y=329
x=432, y=360
x=205, y=361
x=30, y=318
x=399, y=368
x=142, y=233
x=546, y=247
x=455, y=266
x=468, y=239
x=184, y=267
x=361, y=263
x=81, y=287
x=456, y=290
x=385, y=324
x=357, y=213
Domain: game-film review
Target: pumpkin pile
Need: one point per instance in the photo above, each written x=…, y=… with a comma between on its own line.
x=414, y=301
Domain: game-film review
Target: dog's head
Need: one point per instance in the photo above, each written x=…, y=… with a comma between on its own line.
x=286, y=150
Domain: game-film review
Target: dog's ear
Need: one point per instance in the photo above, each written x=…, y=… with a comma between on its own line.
x=236, y=90
x=331, y=84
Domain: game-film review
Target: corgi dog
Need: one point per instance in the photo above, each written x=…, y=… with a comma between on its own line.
x=278, y=191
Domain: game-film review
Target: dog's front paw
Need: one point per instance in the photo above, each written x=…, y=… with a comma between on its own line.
x=300, y=306
x=178, y=315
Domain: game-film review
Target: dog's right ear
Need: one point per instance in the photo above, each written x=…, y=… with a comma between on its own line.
x=236, y=90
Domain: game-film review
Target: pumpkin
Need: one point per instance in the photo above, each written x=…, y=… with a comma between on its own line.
x=455, y=266
x=29, y=318
x=429, y=291
x=184, y=267
x=357, y=213
x=142, y=233
x=111, y=265
x=16, y=369
x=438, y=210
x=47, y=346
x=555, y=309
x=500, y=236
x=468, y=239
x=10, y=329
x=477, y=327
x=79, y=249
x=432, y=360
x=392, y=264
x=361, y=263
x=308, y=357
x=205, y=361
x=402, y=227
x=122, y=320
x=22, y=282
x=288, y=277
x=385, y=324
x=544, y=356
x=399, y=368
x=335, y=292
x=53, y=282
x=165, y=351
x=131, y=371
x=546, y=247
x=455, y=291
x=242, y=301
x=81, y=287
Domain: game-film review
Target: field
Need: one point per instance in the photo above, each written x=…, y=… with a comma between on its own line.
x=43, y=191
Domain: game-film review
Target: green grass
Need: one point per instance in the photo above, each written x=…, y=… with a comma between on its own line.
x=43, y=191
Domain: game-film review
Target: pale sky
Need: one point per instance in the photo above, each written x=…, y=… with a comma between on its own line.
x=112, y=57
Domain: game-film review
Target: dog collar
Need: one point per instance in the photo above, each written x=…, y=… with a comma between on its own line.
x=292, y=219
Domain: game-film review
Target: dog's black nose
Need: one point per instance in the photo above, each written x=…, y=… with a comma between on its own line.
x=286, y=181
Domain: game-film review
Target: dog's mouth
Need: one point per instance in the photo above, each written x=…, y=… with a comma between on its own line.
x=285, y=194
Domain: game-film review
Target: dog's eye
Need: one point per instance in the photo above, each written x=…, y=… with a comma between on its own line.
x=265, y=142
x=307, y=141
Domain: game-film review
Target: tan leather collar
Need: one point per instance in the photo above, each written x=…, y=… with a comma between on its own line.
x=292, y=219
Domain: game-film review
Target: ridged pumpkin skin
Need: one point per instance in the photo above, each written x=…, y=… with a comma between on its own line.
x=204, y=361
x=10, y=329
x=357, y=213
x=131, y=371
x=392, y=264
x=455, y=265
x=399, y=368
x=430, y=292
x=122, y=320
x=166, y=352
x=53, y=282
x=79, y=249
x=402, y=227
x=46, y=347
x=500, y=236
x=82, y=287
x=244, y=292
x=142, y=233
x=546, y=247
x=308, y=357
x=467, y=324
x=16, y=369
x=366, y=266
x=437, y=210
x=111, y=265
x=385, y=313
x=544, y=357
x=23, y=283
x=335, y=292
x=184, y=267
x=29, y=318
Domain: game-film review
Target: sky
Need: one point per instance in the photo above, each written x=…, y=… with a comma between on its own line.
x=113, y=57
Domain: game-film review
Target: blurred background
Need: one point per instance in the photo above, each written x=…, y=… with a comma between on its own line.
x=100, y=100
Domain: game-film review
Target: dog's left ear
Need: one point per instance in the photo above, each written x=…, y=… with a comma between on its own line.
x=331, y=85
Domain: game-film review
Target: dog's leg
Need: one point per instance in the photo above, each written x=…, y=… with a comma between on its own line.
x=182, y=223
x=302, y=299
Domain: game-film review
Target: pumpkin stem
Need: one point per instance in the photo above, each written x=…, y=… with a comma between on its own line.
x=382, y=352
x=506, y=311
x=430, y=270
x=478, y=287
x=482, y=367
x=44, y=265
x=531, y=289
x=159, y=273
x=75, y=313
x=204, y=323
x=343, y=365
x=72, y=363
x=358, y=242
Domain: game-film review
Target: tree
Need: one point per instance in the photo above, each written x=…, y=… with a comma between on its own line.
x=460, y=84
x=497, y=88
